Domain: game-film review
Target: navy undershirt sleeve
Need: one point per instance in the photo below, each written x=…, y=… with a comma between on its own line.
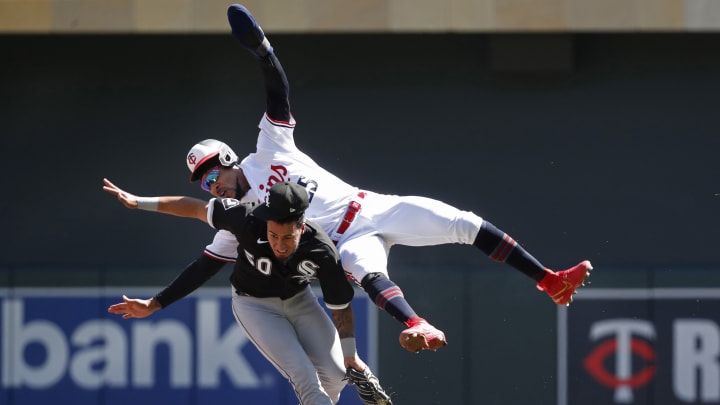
x=277, y=88
x=194, y=275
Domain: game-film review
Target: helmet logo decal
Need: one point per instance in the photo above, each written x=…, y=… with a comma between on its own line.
x=192, y=159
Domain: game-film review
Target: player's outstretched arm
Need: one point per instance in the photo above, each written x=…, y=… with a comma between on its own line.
x=277, y=89
x=189, y=280
x=134, y=308
x=187, y=207
x=194, y=275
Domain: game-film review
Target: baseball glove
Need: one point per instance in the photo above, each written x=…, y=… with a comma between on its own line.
x=368, y=387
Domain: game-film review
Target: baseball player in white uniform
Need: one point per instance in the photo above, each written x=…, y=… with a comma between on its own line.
x=363, y=224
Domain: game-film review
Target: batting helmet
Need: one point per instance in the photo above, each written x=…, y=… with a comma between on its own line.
x=206, y=154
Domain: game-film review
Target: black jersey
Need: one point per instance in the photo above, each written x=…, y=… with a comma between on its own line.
x=259, y=274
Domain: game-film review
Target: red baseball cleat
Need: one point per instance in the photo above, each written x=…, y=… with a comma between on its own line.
x=421, y=335
x=561, y=286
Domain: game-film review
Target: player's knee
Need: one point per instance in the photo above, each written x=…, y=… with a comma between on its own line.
x=371, y=278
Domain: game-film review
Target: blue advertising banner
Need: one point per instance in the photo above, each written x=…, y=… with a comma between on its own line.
x=62, y=346
x=640, y=346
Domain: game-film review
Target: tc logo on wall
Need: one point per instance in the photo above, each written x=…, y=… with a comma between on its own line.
x=640, y=346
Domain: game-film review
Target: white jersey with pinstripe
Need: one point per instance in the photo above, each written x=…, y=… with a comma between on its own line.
x=382, y=221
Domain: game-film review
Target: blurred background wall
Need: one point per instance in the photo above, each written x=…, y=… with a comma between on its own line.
x=390, y=16
x=582, y=131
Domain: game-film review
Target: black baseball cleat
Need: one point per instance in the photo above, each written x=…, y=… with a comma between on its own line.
x=247, y=31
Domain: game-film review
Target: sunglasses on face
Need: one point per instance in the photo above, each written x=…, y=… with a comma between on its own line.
x=210, y=179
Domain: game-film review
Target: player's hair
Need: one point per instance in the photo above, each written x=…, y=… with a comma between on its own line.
x=298, y=219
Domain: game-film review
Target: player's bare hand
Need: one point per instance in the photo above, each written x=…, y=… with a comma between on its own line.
x=127, y=199
x=355, y=363
x=134, y=308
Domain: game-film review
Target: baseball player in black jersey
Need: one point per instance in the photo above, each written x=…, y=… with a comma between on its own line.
x=279, y=255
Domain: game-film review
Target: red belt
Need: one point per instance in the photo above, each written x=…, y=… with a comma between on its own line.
x=350, y=214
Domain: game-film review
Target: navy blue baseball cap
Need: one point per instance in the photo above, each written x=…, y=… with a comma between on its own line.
x=284, y=200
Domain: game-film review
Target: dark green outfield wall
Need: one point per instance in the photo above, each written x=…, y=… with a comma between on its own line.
x=611, y=157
